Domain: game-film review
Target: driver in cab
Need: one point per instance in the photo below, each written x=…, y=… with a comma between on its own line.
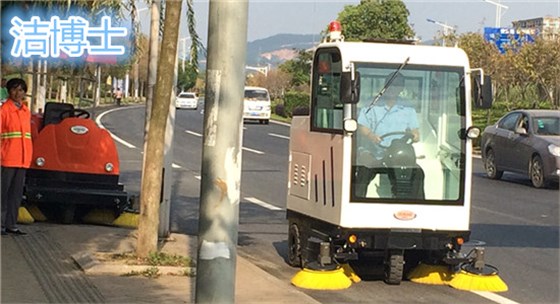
x=389, y=119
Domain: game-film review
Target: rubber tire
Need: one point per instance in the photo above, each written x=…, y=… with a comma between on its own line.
x=536, y=172
x=266, y=121
x=394, y=267
x=294, y=246
x=492, y=171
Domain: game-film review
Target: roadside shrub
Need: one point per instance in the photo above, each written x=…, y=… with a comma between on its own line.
x=295, y=99
x=280, y=110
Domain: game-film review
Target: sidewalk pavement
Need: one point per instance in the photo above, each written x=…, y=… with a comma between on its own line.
x=56, y=264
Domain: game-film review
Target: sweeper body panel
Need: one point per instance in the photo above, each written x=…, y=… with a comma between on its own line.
x=75, y=163
x=371, y=174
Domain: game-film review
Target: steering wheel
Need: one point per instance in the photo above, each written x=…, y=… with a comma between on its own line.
x=75, y=113
x=407, y=137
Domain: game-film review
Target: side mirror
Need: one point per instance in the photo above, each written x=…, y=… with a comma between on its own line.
x=482, y=93
x=349, y=89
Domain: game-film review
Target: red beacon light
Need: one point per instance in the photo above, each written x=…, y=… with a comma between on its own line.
x=335, y=31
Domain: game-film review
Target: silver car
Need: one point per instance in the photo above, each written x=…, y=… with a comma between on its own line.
x=525, y=142
x=186, y=100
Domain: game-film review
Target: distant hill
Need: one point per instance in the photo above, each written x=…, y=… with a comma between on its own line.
x=278, y=48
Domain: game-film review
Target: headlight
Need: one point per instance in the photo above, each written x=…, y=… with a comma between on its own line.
x=108, y=167
x=554, y=150
x=40, y=161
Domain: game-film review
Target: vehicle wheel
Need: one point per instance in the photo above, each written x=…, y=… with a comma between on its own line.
x=394, y=267
x=536, y=172
x=294, y=246
x=266, y=121
x=490, y=166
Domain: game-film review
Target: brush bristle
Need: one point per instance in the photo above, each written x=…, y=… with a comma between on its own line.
x=350, y=273
x=475, y=282
x=321, y=280
x=24, y=217
x=36, y=213
x=431, y=274
x=127, y=220
x=99, y=216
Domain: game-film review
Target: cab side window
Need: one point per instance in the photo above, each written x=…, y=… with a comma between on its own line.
x=327, y=108
x=509, y=122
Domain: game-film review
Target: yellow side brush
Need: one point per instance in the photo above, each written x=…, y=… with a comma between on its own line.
x=24, y=217
x=127, y=220
x=36, y=213
x=486, y=279
x=431, y=274
x=321, y=279
x=349, y=272
x=99, y=217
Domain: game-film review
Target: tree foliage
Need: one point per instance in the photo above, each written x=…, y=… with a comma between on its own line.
x=276, y=81
x=299, y=68
x=186, y=80
x=375, y=19
x=525, y=76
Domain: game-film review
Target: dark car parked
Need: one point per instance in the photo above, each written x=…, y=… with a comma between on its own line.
x=525, y=142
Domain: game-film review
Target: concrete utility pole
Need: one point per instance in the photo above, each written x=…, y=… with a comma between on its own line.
x=152, y=63
x=221, y=155
x=153, y=52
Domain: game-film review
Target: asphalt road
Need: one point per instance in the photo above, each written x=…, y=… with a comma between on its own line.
x=518, y=223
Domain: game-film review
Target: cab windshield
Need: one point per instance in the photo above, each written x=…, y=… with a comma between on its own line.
x=251, y=94
x=408, y=146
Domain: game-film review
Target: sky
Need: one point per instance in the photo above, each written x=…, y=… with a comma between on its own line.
x=271, y=17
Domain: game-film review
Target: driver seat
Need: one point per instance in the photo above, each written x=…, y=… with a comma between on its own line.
x=406, y=176
x=53, y=111
x=407, y=183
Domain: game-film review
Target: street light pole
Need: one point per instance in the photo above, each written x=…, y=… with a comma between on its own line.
x=445, y=28
x=499, y=7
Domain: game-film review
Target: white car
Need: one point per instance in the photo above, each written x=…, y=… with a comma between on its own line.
x=186, y=100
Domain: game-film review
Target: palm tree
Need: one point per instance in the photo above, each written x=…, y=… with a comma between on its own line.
x=154, y=146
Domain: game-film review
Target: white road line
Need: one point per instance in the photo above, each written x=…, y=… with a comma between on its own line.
x=193, y=133
x=262, y=204
x=174, y=165
x=516, y=218
x=246, y=149
x=280, y=123
x=198, y=177
x=494, y=297
x=279, y=136
x=252, y=150
x=115, y=137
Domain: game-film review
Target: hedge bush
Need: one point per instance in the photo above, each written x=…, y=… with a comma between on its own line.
x=293, y=100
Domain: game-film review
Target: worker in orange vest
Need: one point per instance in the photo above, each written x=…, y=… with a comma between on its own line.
x=16, y=152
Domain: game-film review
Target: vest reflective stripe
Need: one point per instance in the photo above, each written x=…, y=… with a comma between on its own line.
x=15, y=135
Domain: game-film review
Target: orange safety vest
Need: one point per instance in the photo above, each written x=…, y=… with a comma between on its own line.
x=15, y=135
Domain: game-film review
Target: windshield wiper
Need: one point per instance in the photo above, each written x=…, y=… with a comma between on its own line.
x=388, y=83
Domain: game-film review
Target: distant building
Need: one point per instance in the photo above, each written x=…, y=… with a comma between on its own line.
x=546, y=27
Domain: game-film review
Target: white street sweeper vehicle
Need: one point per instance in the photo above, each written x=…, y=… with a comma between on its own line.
x=374, y=177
